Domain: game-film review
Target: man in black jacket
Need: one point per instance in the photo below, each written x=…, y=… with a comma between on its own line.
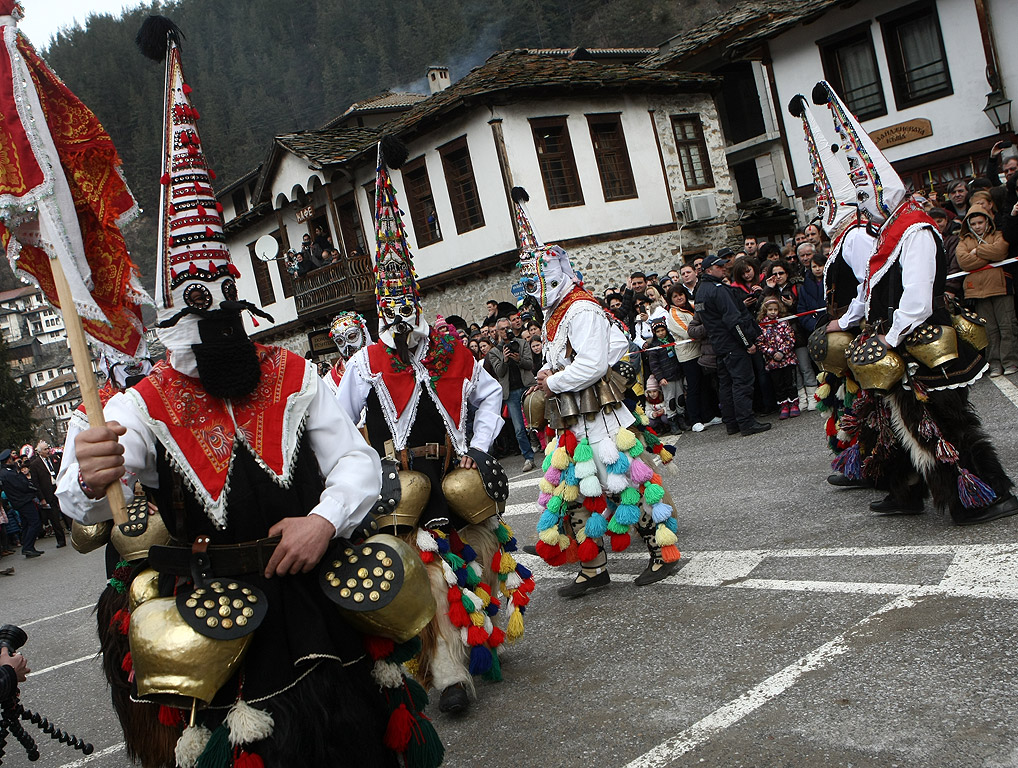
x=42, y=474
x=22, y=495
x=732, y=333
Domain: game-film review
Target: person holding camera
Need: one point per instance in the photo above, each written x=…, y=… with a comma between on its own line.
x=13, y=670
x=513, y=363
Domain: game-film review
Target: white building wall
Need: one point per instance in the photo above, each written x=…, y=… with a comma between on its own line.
x=955, y=119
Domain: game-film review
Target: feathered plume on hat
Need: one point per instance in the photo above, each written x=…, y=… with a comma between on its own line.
x=194, y=266
x=396, y=292
x=836, y=196
x=879, y=189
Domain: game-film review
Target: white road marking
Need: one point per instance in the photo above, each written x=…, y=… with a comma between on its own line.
x=529, y=507
x=61, y=665
x=55, y=616
x=1009, y=390
x=526, y=481
x=94, y=756
x=735, y=710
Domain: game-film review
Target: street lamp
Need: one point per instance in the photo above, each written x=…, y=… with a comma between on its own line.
x=998, y=110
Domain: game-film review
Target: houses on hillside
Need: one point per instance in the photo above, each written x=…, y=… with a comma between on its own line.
x=623, y=165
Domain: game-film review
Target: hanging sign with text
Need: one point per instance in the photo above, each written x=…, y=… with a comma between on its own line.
x=902, y=133
x=306, y=213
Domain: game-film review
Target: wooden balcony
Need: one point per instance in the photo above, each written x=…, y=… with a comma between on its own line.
x=334, y=287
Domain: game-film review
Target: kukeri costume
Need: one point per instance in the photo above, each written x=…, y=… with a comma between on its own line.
x=349, y=332
x=922, y=372
x=597, y=474
x=416, y=383
x=230, y=438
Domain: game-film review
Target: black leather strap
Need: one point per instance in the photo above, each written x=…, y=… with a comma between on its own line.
x=223, y=560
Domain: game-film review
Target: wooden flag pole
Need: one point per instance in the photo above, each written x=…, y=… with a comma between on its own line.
x=82, y=360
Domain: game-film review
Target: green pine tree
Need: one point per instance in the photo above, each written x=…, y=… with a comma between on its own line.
x=16, y=425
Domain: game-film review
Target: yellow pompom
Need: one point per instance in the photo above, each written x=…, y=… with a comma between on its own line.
x=477, y=618
x=514, y=630
x=551, y=446
x=508, y=528
x=581, y=535
x=625, y=440
x=483, y=596
x=412, y=665
x=823, y=392
x=545, y=486
x=571, y=493
x=852, y=385
x=821, y=377
x=549, y=536
x=666, y=455
x=560, y=459
x=508, y=564
x=563, y=542
x=664, y=536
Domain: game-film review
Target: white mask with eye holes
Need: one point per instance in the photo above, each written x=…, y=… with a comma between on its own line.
x=401, y=316
x=548, y=276
x=349, y=332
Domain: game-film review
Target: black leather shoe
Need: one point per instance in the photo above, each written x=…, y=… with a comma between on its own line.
x=841, y=480
x=650, y=576
x=454, y=700
x=584, y=584
x=32, y=554
x=63, y=544
x=530, y=549
x=733, y=429
x=889, y=506
x=755, y=428
x=1001, y=508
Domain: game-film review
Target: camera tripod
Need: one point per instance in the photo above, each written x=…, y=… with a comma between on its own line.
x=12, y=712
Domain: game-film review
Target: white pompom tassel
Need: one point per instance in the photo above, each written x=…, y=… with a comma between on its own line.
x=425, y=541
x=247, y=724
x=387, y=675
x=190, y=745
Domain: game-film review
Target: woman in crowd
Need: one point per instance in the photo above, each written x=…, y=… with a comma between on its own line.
x=746, y=281
x=687, y=353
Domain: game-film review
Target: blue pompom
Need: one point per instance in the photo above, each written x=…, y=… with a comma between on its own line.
x=443, y=544
x=491, y=609
x=510, y=546
x=569, y=476
x=597, y=526
x=621, y=466
x=468, y=554
x=661, y=512
x=547, y=520
x=672, y=524
x=480, y=660
x=627, y=514
x=461, y=577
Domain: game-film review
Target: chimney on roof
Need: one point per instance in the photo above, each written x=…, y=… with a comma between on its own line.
x=438, y=78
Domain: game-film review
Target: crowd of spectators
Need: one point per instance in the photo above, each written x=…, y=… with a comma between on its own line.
x=29, y=509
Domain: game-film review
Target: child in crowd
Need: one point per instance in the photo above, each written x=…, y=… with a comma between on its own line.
x=665, y=367
x=656, y=409
x=777, y=342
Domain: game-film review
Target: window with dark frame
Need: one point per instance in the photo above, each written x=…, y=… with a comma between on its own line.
x=421, y=203
x=692, y=149
x=915, y=54
x=350, y=226
x=612, y=156
x=239, y=198
x=850, y=66
x=263, y=281
x=459, y=178
x=558, y=166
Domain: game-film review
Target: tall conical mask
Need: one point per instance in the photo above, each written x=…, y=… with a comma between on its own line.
x=545, y=271
x=396, y=293
x=879, y=189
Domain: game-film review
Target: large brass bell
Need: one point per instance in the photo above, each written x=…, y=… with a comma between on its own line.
x=589, y=404
x=568, y=407
x=533, y=409
x=830, y=350
x=144, y=529
x=465, y=493
x=933, y=345
x=606, y=396
x=144, y=587
x=88, y=538
x=403, y=514
x=874, y=365
x=970, y=327
x=173, y=664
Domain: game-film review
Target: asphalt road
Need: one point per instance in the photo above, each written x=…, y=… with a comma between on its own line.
x=801, y=631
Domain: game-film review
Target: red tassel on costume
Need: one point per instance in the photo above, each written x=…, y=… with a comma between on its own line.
x=212, y=267
x=484, y=587
x=171, y=209
x=164, y=179
x=399, y=729
x=427, y=557
x=832, y=428
x=201, y=210
x=455, y=543
x=569, y=442
x=186, y=89
x=248, y=760
x=527, y=585
x=620, y=541
x=171, y=717
x=588, y=550
x=496, y=638
x=212, y=174
x=127, y=664
x=476, y=636
x=233, y=270
x=496, y=561
x=378, y=647
x=121, y=620
x=192, y=149
x=254, y=321
x=192, y=268
x=196, y=116
x=219, y=207
x=521, y=598
x=209, y=232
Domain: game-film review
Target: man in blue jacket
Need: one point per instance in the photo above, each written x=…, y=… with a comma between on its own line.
x=22, y=496
x=733, y=335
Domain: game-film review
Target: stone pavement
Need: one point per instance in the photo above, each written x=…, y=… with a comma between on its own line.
x=801, y=630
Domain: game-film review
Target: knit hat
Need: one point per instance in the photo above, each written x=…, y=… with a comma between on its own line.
x=879, y=189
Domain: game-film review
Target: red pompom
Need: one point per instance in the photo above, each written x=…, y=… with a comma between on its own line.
x=399, y=729
x=527, y=585
x=496, y=561
x=496, y=638
x=832, y=427
x=186, y=89
x=171, y=717
x=588, y=550
x=426, y=556
x=596, y=503
x=248, y=760
x=569, y=442
x=476, y=636
x=378, y=647
x=620, y=541
x=128, y=663
x=164, y=179
x=521, y=598
x=192, y=268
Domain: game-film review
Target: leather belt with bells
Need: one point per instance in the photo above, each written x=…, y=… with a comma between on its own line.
x=215, y=559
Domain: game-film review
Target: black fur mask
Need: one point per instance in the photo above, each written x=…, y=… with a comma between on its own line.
x=227, y=359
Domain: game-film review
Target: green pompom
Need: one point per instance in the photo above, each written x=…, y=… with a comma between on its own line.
x=217, y=753
x=616, y=527
x=425, y=750
x=653, y=493
x=636, y=450
x=583, y=451
x=494, y=674
x=630, y=496
x=403, y=652
x=555, y=504
x=455, y=561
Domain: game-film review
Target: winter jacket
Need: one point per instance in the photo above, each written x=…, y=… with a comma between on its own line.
x=678, y=326
x=974, y=252
x=697, y=331
x=811, y=296
x=662, y=360
x=726, y=319
x=19, y=489
x=777, y=339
